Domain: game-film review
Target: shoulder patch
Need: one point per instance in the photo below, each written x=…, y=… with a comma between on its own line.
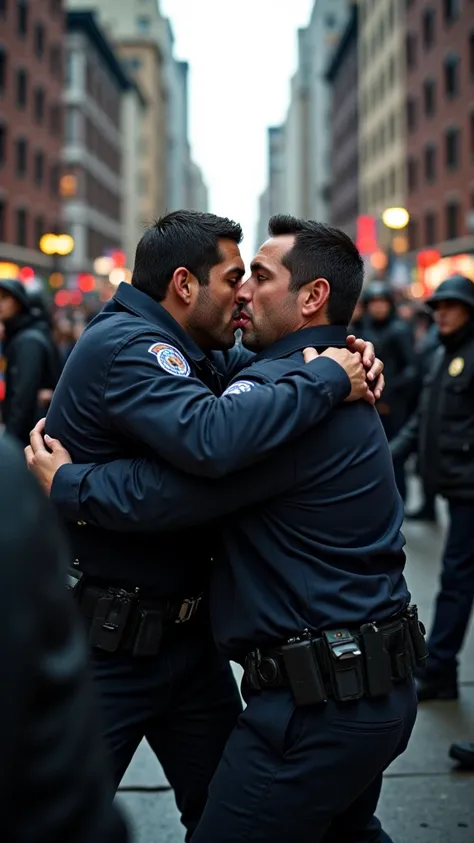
x=239, y=387
x=170, y=359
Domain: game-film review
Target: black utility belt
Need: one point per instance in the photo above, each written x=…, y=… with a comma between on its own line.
x=342, y=664
x=127, y=621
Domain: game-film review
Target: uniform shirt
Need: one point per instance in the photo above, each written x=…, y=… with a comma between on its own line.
x=135, y=386
x=311, y=536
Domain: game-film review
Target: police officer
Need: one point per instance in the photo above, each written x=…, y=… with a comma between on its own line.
x=138, y=383
x=443, y=432
x=393, y=339
x=309, y=594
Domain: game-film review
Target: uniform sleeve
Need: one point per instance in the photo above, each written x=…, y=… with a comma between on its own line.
x=24, y=387
x=235, y=360
x=145, y=495
x=151, y=396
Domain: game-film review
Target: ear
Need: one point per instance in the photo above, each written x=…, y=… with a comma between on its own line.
x=182, y=283
x=314, y=296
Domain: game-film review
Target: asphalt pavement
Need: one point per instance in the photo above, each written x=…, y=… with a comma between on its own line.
x=424, y=798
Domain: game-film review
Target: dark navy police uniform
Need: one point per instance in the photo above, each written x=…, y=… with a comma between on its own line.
x=136, y=386
x=321, y=550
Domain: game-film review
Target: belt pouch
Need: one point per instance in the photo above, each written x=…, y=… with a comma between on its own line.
x=345, y=664
x=149, y=632
x=377, y=662
x=303, y=673
x=109, y=621
x=417, y=632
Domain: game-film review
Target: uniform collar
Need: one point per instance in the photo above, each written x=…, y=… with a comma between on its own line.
x=322, y=336
x=143, y=305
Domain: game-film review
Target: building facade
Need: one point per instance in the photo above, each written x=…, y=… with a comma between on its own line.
x=440, y=125
x=92, y=154
x=382, y=87
x=31, y=128
x=344, y=142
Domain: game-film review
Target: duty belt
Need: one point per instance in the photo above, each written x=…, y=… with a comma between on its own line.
x=122, y=620
x=342, y=664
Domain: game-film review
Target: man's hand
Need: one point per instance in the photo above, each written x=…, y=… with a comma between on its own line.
x=351, y=362
x=43, y=463
x=373, y=365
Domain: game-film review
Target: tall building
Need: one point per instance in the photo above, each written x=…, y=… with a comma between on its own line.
x=440, y=125
x=342, y=75
x=92, y=155
x=31, y=128
x=382, y=86
x=263, y=217
x=197, y=194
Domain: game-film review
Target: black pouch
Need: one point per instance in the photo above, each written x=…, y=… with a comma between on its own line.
x=111, y=614
x=303, y=672
x=377, y=662
x=417, y=632
x=252, y=662
x=148, y=633
x=345, y=664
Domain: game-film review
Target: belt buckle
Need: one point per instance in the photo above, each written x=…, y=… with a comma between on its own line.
x=188, y=609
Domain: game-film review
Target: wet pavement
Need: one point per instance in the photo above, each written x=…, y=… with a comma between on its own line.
x=424, y=798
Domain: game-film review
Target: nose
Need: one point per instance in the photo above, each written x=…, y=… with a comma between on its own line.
x=244, y=293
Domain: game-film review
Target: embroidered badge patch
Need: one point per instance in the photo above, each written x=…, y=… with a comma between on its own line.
x=239, y=387
x=456, y=366
x=170, y=359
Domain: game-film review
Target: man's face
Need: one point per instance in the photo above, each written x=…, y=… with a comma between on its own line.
x=211, y=322
x=9, y=306
x=379, y=309
x=450, y=316
x=266, y=309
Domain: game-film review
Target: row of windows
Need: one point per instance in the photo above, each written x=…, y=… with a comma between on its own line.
x=451, y=64
x=21, y=10
x=370, y=47
x=435, y=227
x=27, y=231
x=429, y=164
x=21, y=78
x=27, y=163
x=383, y=136
x=383, y=83
x=450, y=9
x=382, y=189
x=429, y=95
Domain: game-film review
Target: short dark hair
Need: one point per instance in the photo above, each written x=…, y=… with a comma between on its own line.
x=181, y=238
x=320, y=251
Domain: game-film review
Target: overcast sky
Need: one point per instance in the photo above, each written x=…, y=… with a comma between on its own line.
x=242, y=54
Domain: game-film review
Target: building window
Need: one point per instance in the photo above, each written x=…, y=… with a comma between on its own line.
x=133, y=63
x=55, y=120
x=55, y=59
x=451, y=76
x=54, y=180
x=430, y=229
x=21, y=88
x=143, y=24
x=430, y=163
x=429, y=97
x=3, y=219
x=411, y=114
x=3, y=70
x=39, y=105
x=55, y=6
x=451, y=10
x=39, y=230
x=429, y=28
x=412, y=174
x=330, y=21
x=3, y=12
x=22, y=17
x=39, y=40
x=452, y=220
x=21, y=225
x=39, y=169
x=411, y=45
x=471, y=54
x=21, y=155
x=452, y=148
x=3, y=144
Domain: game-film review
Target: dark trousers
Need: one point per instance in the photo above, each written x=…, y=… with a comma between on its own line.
x=306, y=775
x=455, y=598
x=185, y=703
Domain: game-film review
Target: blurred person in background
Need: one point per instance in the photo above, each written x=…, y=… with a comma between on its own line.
x=393, y=340
x=31, y=360
x=54, y=784
x=443, y=431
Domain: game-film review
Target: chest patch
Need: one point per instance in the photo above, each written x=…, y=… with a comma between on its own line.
x=170, y=359
x=239, y=387
x=456, y=367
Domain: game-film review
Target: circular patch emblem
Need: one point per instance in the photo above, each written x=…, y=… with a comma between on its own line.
x=170, y=359
x=239, y=387
x=456, y=366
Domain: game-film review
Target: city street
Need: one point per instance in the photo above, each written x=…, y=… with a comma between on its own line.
x=424, y=799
